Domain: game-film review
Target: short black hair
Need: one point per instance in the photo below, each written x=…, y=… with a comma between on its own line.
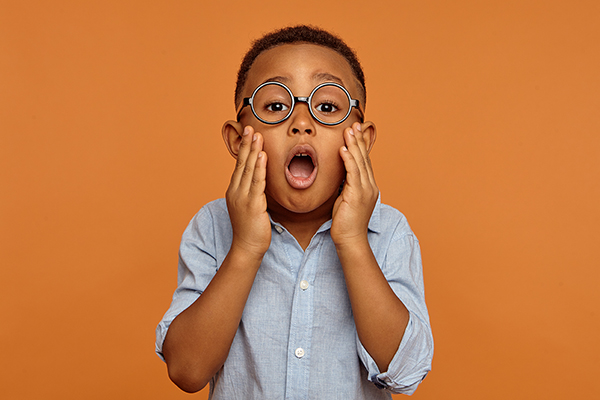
x=298, y=34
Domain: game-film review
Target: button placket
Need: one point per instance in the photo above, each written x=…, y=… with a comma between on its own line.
x=297, y=380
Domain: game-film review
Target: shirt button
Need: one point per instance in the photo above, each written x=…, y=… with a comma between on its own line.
x=303, y=285
x=278, y=229
x=299, y=352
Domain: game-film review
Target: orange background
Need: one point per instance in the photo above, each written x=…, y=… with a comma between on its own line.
x=489, y=142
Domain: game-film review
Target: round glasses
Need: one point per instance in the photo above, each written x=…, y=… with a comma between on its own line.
x=273, y=102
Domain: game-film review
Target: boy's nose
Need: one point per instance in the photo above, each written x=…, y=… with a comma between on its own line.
x=301, y=120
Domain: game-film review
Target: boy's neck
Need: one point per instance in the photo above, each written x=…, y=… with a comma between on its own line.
x=302, y=226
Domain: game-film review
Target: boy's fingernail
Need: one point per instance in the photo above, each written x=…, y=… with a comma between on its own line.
x=351, y=132
x=246, y=131
x=254, y=137
x=344, y=148
x=359, y=128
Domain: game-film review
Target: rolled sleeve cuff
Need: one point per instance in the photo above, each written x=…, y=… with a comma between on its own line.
x=161, y=333
x=183, y=302
x=410, y=364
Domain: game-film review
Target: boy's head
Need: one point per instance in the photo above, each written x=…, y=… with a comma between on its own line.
x=302, y=138
x=299, y=34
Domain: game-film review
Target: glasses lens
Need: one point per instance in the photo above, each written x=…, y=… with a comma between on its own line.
x=330, y=104
x=272, y=103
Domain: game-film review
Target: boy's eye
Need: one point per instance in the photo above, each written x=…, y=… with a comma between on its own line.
x=326, y=108
x=276, y=107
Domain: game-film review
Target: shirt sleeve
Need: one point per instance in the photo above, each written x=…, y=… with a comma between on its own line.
x=403, y=270
x=197, y=266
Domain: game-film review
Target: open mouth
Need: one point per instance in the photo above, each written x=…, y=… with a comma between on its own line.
x=301, y=166
x=301, y=169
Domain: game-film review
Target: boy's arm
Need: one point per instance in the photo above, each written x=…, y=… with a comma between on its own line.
x=380, y=317
x=195, y=350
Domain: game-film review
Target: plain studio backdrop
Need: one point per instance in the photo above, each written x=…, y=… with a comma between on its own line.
x=489, y=142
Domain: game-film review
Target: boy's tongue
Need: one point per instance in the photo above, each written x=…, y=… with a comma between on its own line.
x=301, y=166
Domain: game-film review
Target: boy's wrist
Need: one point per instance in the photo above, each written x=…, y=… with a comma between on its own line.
x=247, y=252
x=352, y=244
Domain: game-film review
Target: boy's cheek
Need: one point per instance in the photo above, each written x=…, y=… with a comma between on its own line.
x=249, y=120
x=336, y=169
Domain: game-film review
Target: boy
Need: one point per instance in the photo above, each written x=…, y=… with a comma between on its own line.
x=300, y=284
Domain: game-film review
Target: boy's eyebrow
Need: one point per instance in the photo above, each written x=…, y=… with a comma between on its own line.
x=325, y=76
x=281, y=79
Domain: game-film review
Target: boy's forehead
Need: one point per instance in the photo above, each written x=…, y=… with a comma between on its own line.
x=300, y=65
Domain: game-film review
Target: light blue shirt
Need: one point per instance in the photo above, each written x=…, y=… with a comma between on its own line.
x=297, y=338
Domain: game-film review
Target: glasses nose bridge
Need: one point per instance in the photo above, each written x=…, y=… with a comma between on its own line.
x=302, y=120
x=305, y=100
x=302, y=99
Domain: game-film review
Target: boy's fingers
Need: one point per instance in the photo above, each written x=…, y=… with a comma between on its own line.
x=353, y=145
x=242, y=156
x=352, y=170
x=360, y=140
x=362, y=145
x=369, y=164
x=259, y=181
x=249, y=167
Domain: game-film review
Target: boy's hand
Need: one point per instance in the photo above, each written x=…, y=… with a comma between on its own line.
x=353, y=208
x=246, y=200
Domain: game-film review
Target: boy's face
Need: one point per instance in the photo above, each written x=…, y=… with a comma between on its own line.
x=295, y=183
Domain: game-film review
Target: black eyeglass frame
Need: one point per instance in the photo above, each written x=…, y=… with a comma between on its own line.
x=249, y=101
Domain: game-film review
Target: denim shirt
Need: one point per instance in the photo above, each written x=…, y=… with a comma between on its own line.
x=297, y=338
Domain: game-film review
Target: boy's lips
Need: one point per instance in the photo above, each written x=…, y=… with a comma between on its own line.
x=301, y=167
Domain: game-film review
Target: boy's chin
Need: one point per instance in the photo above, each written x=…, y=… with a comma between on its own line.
x=302, y=204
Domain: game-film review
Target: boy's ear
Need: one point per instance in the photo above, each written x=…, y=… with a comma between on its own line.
x=369, y=134
x=232, y=136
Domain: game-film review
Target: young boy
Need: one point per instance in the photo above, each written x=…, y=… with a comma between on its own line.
x=300, y=284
